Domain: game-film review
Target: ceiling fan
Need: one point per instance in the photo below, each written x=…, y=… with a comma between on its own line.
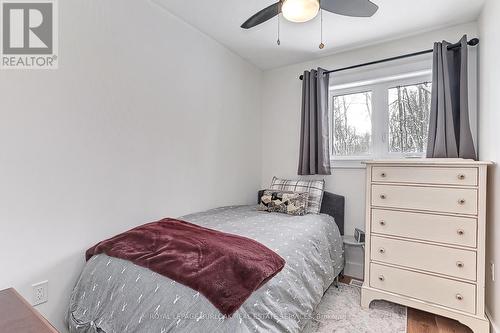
x=305, y=10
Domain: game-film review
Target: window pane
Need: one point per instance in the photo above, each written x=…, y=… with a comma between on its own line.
x=352, y=124
x=409, y=108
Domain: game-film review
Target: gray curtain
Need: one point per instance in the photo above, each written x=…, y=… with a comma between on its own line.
x=314, y=158
x=449, y=129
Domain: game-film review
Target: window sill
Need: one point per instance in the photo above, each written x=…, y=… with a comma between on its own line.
x=348, y=163
x=357, y=162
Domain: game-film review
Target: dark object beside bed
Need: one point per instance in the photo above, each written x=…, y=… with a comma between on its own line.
x=332, y=204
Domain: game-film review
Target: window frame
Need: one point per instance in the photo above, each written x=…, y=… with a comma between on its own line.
x=380, y=120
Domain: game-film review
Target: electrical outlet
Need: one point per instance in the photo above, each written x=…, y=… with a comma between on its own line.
x=492, y=271
x=40, y=293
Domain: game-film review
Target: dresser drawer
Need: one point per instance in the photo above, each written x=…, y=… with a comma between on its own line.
x=434, y=228
x=426, y=175
x=453, y=294
x=431, y=258
x=437, y=199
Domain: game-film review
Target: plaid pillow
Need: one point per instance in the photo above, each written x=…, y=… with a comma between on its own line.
x=313, y=187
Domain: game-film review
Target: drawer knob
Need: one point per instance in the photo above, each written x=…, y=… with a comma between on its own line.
x=459, y=297
x=381, y=277
x=381, y=250
x=460, y=232
x=461, y=176
x=382, y=223
x=461, y=202
x=460, y=264
x=383, y=196
x=383, y=175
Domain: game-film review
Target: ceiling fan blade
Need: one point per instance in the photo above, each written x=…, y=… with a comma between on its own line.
x=262, y=16
x=355, y=8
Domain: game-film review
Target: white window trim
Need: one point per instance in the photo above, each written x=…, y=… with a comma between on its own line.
x=380, y=116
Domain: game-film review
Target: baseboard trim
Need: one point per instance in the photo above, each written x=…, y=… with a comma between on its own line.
x=493, y=326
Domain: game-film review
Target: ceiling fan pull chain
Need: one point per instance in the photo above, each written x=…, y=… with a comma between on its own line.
x=321, y=45
x=278, y=41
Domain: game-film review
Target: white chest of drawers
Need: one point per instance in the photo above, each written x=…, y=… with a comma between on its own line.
x=425, y=237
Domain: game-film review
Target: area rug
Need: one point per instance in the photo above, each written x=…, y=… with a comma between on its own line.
x=340, y=312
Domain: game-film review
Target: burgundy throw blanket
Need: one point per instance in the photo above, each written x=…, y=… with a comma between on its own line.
x=225, y=268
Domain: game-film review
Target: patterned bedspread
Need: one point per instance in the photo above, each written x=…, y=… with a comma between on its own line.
x=116, y=296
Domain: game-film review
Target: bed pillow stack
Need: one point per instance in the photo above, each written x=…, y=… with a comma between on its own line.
x=314, y=189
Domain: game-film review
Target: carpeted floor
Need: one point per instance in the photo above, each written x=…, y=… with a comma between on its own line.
x=340, y=312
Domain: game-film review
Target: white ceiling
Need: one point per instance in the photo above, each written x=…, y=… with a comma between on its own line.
x=221, y=19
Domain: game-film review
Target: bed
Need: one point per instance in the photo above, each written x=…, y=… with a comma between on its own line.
x=114, y=295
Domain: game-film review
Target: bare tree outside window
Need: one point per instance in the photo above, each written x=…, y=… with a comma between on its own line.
x=352, y=124
x=409, y=108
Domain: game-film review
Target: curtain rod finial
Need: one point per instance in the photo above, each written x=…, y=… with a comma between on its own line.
x=474, y=41
x=301, y=77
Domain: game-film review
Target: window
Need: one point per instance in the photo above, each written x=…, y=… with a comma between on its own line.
x=409, y=108
x=352, y=121
x=384, y=118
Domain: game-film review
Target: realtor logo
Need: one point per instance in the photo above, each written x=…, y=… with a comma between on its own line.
x=29, y=34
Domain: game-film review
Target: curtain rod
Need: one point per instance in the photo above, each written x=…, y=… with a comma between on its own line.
x=472, y=42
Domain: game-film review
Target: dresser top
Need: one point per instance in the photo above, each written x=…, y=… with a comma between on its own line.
x=430, y=161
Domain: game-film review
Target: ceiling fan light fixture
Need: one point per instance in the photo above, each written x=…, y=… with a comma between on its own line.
x=300, y=10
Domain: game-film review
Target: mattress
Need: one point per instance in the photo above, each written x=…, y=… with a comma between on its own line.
x=114, y=295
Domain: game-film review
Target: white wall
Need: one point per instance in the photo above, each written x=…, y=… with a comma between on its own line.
x=146, y=118
x=281, y=122
x=489, y=148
